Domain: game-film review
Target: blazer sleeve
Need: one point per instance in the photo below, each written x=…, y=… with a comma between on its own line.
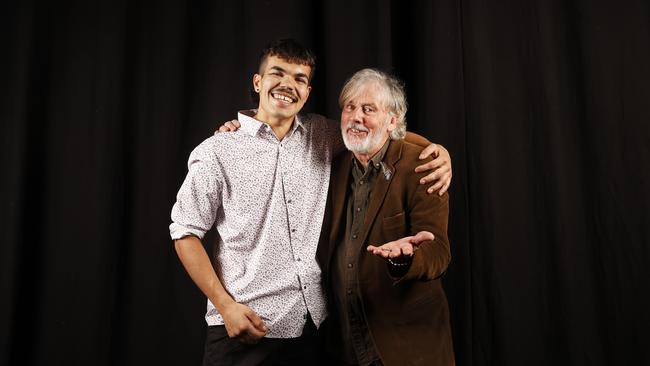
x=429, y=212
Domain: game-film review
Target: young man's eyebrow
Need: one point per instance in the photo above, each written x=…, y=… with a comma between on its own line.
x=299, y=74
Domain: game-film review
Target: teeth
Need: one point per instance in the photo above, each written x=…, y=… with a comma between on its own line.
x=283, y=98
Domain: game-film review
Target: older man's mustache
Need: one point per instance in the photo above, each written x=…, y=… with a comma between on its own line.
x=356, y=126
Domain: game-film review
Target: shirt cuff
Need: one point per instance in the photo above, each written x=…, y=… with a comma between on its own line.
x=178, y=231
x=399, y=270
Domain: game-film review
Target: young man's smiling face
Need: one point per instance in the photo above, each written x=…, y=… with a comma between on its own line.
x=283, y=88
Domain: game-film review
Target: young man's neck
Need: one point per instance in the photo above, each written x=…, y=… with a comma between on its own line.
x=280, y=126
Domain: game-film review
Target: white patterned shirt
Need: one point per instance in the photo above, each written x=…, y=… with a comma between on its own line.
x=266, y=198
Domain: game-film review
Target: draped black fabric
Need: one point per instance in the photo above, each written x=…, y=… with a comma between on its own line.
x=543, y=104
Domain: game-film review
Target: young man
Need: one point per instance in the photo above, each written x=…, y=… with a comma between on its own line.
x=387, y=303
x=264, y=187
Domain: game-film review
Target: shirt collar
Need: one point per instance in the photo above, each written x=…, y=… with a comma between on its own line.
x=252, y=126
x=376, y=160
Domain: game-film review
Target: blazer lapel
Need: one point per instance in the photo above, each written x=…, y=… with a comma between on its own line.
x=381, y=186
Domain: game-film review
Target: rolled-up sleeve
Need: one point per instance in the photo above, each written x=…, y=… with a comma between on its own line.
x=199, y=197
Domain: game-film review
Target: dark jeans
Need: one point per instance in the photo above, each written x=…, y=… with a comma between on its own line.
x=223, y=350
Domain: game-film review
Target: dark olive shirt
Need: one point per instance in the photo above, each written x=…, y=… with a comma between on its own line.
x=358, y=347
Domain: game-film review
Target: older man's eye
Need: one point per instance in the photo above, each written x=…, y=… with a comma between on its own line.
x=368, y=110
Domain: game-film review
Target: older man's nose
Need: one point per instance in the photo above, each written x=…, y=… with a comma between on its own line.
x=357, y=115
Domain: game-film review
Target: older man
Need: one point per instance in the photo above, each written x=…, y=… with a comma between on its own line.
x=387, y=305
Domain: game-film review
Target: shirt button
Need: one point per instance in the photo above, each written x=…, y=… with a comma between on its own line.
x=293, y=230
x=354, y=236
x=358, y=209
x=298, y=259
x=361, y=182
x=350, y=265
x=304, y=287
x=288, y=201
x=349, y=292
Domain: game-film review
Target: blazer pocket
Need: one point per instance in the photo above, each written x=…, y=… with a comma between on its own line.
x=394, y=227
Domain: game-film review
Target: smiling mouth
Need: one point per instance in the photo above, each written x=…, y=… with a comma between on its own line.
x=284, y=98
x=356, y=132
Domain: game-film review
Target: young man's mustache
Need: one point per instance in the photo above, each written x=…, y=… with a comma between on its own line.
x=284, y=90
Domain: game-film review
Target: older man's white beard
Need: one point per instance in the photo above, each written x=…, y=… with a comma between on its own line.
x=370, y=142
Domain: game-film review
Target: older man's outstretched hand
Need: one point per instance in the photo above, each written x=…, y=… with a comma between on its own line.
x=401, y=249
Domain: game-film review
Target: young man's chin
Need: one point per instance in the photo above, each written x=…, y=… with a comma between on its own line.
x=286, y=112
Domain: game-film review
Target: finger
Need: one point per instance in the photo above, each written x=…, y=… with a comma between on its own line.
x=435, y=187
x=373, y=250
x=255, y=334
x=236, y=123
x=429, y=165
x=381, y=252
x=444, y=189
x=397, y=252
x=384, y=254
x=422, y=236
x=407, y=250
x=388, y=251
x=435, y=174
x=256, y=321
x=431, y=150
x=444, y=180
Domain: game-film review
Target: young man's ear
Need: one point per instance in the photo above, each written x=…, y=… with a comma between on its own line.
x=257, y=78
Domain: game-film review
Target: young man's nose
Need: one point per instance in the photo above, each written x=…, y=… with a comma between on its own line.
x=287, y=82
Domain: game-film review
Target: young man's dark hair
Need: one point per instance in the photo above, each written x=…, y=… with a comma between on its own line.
x=290, y=51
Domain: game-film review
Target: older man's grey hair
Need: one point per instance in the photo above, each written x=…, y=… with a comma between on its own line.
x=392, y=95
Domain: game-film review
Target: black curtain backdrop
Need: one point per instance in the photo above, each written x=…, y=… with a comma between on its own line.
x=544, y=106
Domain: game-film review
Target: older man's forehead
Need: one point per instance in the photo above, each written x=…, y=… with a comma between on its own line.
x=370, y=92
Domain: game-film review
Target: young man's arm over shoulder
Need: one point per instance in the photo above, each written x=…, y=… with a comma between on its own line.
x=439, y=168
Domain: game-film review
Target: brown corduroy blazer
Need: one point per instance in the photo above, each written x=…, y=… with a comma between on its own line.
x=408, y=317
